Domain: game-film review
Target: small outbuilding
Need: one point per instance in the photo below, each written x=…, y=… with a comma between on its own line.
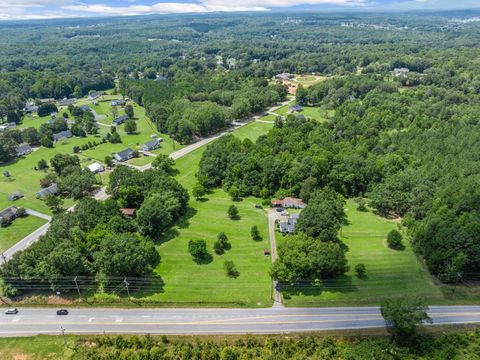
x=96, y=167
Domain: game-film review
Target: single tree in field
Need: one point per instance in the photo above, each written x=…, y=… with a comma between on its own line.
x=403, y=315
x=361, y=271
x=221, y=244
x=233, y=212
x=130, y=126
x=255, y=233
x=198, y=249
x=230, y=269
x=394, y=240
x=129, y=111
x=198, y=191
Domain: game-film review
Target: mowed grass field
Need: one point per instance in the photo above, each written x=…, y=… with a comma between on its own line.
x=20, y=228
x=390, y=272
x=187, y=282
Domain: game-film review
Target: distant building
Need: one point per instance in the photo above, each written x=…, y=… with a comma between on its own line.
x=66, y=102
x=15, y=196
x=120, y=120
x=46, y=100
x=289, y=202
x=29, y=108
x=95, y=95
x=9, y=213
x=151, y=145
x=96, y=167
x=7, y=126
x=288, y=226
x=400, y=72
x=119, y=102
x=51, y=190
x=85, y=108
x=62, y=135
x=124, y=155
x=128, y=212
x=301, y=117
x=284, y=76
x=23, y=149
x=161, y=78
x=295, y=108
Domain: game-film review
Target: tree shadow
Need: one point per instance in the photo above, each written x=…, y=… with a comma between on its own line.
x=183, y=222
x=167, y=236
x=235, y=218
x=342, y=284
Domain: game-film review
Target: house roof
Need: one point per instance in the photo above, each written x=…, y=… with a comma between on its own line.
x=153, y=144
x=120, y=119
x=64, y=102
x=124, y=154
x=8, y=212
x=51, y=190
x=16, y=195
x=295, y=108
x=95, y=167
x=128, y=211
x=62, y=135
x=23, y=149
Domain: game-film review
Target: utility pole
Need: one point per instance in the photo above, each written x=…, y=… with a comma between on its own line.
x=78, y=289
x=64, y=337
x=126, y=285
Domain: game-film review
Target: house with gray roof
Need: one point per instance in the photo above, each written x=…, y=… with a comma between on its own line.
x=9, y=213
x=124, y=155
x=23, y=149
x=295, y=108
x=15, y=196
x=95, y=95
x=120, y=120
x=119, y=102
x=51, y=190
x=62, y=135
x=66, y=102
x=288, y=226
x=152, y=145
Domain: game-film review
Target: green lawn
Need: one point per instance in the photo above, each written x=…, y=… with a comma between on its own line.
x=20, y=228
x=36, y=348
x=316, y=113
x=187, y=282
x=389, y=272
x=283, y=110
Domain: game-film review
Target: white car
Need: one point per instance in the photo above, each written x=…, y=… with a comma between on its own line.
x=12, y=311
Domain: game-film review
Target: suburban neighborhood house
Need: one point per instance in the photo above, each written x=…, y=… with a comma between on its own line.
x=62, y=135
x=9, y=213
x=288, y=226
x=152, y=145
x=96, y=167
x=23, y=149
x=400, y=72
x=289, y=202
x=295, y=108
x=124, y=155
x=51, y=190
x=119, y=102
x=120, y=120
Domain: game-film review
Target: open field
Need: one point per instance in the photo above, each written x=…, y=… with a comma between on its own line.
x=20, y=228
x=316, y=113
x=188, y=282
x=309, y=80
x=389, y=272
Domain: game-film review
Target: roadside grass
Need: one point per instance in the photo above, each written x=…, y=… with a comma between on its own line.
x=390, y=273
x=38, y=347
x=269, y=117
x=253, y=130
x=283, y=110
x=20, y=228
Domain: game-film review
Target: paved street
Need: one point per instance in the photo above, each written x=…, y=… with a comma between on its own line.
x=32, y=321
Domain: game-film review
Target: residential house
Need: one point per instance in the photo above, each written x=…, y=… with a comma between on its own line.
x=124, y=155
x=30, y=107
x=152, y=145
x=288, y=226
x=96, y=167
x=128, y=212
x=62, y=135
x=7, y=126
x=119, y=102
x=289, y=202
x=51, y=190
x=95, y=95
x=295, y=108
x=15, y=196
x=120, y=120
x=9, y=213
x=284, y=76
x=400, y=72
x=46, y=100
x=66, y=102
x=23, y=149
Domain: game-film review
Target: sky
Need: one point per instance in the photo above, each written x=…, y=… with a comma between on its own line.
x=52, y=9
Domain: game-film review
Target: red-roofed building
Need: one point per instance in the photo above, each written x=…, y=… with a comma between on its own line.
x=128, y=212
x=289, y=202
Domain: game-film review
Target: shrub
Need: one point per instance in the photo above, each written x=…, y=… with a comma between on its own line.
x=198, y=249
x=233, y=212
x=255, y=233
x=394, y=240
x=76, y=149
x=21, y=212
x=230, y=269
x=5, y=221
x=221, y=244
x=361, y=271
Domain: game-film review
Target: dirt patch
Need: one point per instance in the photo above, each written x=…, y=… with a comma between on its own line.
x=20, y=357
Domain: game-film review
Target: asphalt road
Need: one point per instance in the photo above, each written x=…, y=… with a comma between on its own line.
x=32, y=321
